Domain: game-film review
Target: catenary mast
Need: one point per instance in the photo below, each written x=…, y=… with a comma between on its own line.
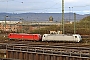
x=63, y=16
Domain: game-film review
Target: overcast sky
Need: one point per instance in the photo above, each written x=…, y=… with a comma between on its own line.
x=45, y=6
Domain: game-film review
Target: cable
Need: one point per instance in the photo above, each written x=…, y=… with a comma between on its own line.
x=51, y=7
x=5, y=0
x=82, y=6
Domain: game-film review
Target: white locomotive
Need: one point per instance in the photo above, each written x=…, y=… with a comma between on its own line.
x=62, y=37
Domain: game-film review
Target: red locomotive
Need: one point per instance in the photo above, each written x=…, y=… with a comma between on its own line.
x=23, y=36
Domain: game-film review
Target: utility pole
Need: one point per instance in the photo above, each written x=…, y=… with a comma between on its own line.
x=63, y=16
x=22, y=25
x=74, y=23
x=5, y=23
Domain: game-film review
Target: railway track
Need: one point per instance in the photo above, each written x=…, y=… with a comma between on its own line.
x=71, y=49
x=59, y=49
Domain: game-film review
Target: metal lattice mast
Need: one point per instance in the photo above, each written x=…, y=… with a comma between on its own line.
x=74, y=23
x=63, y=16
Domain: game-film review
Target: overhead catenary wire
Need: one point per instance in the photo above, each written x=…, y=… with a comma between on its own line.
x=5, y=0
x=43, y=9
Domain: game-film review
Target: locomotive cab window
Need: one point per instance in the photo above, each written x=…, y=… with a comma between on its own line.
x=44, y=35
x=10, y=34
x=75, y=36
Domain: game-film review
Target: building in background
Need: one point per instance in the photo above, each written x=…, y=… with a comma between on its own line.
x=19, y=25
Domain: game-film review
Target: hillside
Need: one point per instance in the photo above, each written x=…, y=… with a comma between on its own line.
x=40, y=16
